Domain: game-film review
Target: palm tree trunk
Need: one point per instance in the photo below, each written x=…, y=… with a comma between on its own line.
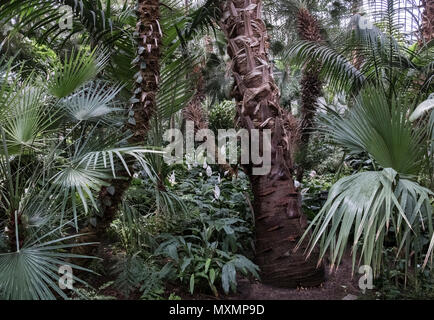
x=194, y=111
x=427, y=20
x=308, y=29
x=148, y=36
x=278, y=216
x=148, y=66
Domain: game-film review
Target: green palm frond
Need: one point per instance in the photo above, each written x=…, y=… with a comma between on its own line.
x=32, y=272
x=93, y=102
x=369, y=205
x=336, y=69
x=380, y=128
x=43, y=16
x=28, y=116
x=95, y=161
x=78, y=68
x=176, y=86
x=376, y=55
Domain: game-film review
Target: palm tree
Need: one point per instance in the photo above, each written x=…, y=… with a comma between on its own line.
x=60, y=145
x=367, y=208
x=144, y=101
x=390, y=201
x=383, y=61
x=279, y=220
x=308, y=30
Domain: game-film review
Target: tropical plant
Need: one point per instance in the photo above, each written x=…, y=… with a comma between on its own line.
x=277, y=206
x=377, y=56
x=204, y=261
x=377, y=204
x=57, y=151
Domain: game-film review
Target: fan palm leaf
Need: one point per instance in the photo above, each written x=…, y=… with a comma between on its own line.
x=369, y=204
x=77, y=69
x=380, y=128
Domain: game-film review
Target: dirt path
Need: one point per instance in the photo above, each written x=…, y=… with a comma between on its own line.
x=339, y=285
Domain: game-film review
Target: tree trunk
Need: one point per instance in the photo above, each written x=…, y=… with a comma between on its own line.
x=279, y=220
x=147, y=63
x=194, y=111
x=427, y=20
x=148, y=36
x=308, y=29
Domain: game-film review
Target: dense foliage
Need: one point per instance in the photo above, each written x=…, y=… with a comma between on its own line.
x=83, y=111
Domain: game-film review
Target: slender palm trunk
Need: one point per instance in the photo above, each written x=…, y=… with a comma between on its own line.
x=427, y=20
x=194, y=111
x=308, y=29
x=148, y=36
x=279, y=220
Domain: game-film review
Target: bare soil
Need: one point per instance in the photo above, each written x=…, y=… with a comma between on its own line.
x=337, y=286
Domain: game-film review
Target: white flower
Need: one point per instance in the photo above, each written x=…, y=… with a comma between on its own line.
x=200, y=174
x=205, y=165
x=226, y=173
x=172, y=178
x=216, y=192
x=219, y=179
x=209, y=171
x=297, y=184
x=188, y=166
x=312, y=174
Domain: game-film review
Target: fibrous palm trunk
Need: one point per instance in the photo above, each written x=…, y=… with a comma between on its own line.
x=279, y=220
x=427, y=20
x=148, y=35
x=308, y=29
x=194, y=111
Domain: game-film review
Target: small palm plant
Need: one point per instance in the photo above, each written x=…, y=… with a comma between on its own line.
x=367, y=207
x=59, y=144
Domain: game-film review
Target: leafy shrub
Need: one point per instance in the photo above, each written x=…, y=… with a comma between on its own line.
x=133, y=273
x=401, y=279
x=315, y=192
x=221, y=115
x=204, y=248
x=198, y=260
